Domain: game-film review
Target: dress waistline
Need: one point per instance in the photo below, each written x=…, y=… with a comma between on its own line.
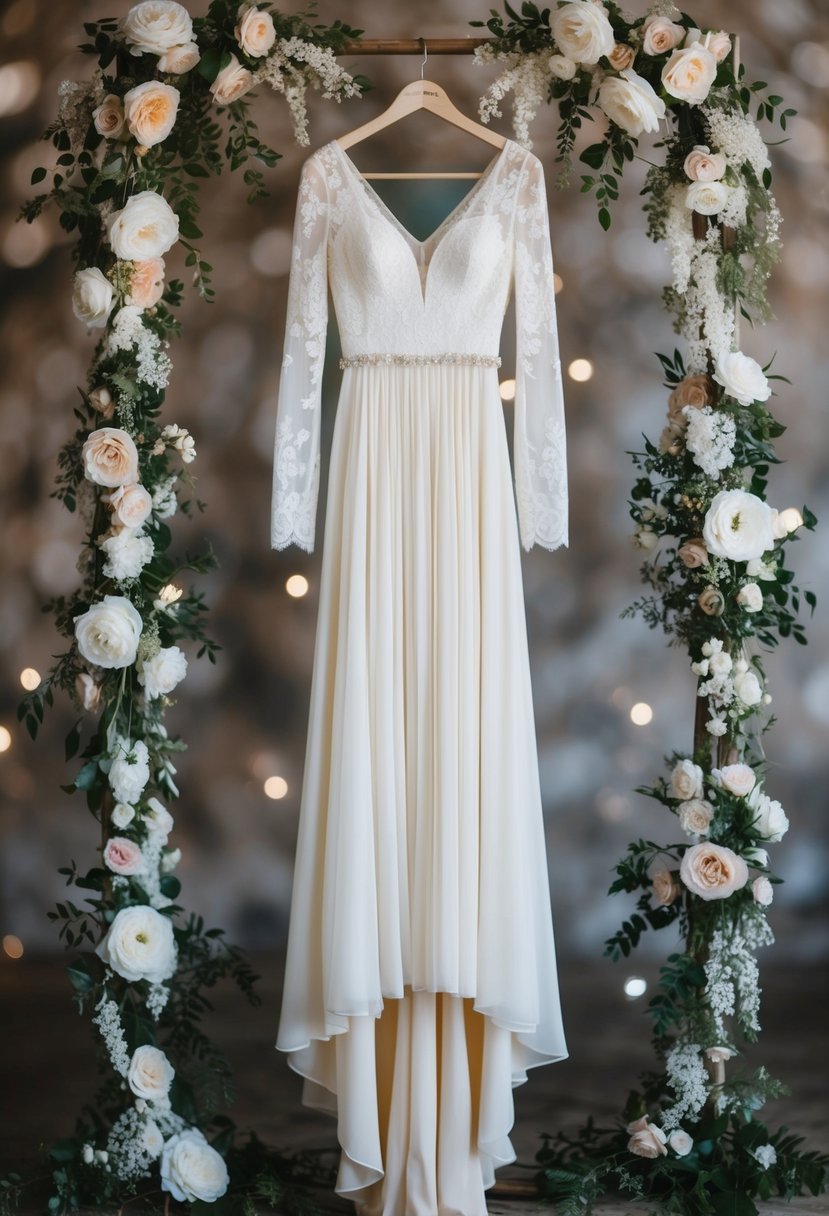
x=418, y=360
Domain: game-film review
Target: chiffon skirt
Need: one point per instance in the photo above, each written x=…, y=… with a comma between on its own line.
x=421, y=981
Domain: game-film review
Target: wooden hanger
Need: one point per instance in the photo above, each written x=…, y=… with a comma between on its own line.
x=421, y=95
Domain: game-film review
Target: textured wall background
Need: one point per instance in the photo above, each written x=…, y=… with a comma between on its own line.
x=245, y=720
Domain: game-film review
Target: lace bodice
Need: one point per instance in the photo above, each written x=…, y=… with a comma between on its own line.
x=442, y=297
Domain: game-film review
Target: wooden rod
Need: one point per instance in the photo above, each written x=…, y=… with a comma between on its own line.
x=413, y=46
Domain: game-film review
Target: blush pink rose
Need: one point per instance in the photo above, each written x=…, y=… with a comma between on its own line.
x=123, y=856
x=146, y=283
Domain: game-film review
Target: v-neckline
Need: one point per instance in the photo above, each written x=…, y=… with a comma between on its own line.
x=434, y=238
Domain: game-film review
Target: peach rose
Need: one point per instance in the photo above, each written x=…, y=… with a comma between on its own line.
x=101, y=401
x=670, y=441
x=695, y=816
x=646, y=1140
x=123, y=856
x=232, y=82
x=737, y=779
x=179, y=59
x=696, y=391
x=661, y=35
x=255, y=32
x=109, y=118
x=693, y=553
x=713, y=871
x=88, y=691
x=719, y=43
x=110, y=457
x=703, y=165
x=146, y=283
x=621, y=56
x=689, y=73
x=665, y=887
x=131, y=505
x=711, y=601
x=150, y=110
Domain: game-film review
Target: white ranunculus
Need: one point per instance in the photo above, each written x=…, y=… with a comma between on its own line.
x=737, y=779
x=748, y=688
x=150, y=110
x=157, y=820
x=770, y=820
x=561, y=67
x=92, y=297
x=108, y=633
x=695, y=816
x=762, y=890
x=155, y=26
x=140, y=945
x=129, y=771
x=160, y=674
x=706, y=198
x=146, y=227
x=680, y=1142
x=180, y=59
x=689, y=73
x=582, y=31
x=750, y=597
x=738, y=525
x=712, y=871
x=686, y=781
x=122, y=814
x=127, y=553
x=191, y=1170
x=150, y=1074
x=630, y=102
x=742, y=378
x=255, y=31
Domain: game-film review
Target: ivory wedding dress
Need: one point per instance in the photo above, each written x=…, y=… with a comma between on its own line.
x=421, y=981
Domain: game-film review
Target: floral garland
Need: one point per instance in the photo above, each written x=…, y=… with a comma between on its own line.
x=166, y=108
x=715, y=554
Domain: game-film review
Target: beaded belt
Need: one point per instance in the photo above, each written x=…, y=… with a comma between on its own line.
x=419, y=360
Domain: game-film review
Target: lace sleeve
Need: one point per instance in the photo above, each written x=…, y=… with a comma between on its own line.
x=297, y=447
x=539, y=442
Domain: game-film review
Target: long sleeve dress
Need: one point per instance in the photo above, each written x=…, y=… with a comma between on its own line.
x=421, y=979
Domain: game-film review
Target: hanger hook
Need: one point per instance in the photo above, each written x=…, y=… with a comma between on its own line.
x=425, y=57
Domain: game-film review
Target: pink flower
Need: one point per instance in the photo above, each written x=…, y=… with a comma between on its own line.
x=123, y=856
x=646, y=1140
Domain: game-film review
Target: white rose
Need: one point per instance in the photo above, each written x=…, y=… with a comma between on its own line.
x=712, y=871
x=131, y=505
x=160, y=674
x=680, y=1142
x=107, y=633
x=630, y=102
x=179, y=59
x=738, y=525
x=232, y=82
x=157, y=820
x=719, y=43
x=150, y=110
x=155, y=26
x=108, y=117
x=255, y=32
x=742, y=378
x=665, y=889
x=122, y=814
x=719, y=663
x=766, y=1154
x=765, y=571
x=145, y=228
x=127, y=553
x=561, y=67
x=130, y=771
x=191, y=1169
x=738, y=779
x=92, y=297
x=703, y=165
x=110, y=457
x=140, y=945
x=706, y=198
x=582, y=31
x=88, y=1154
x=757, y=857
x=686, y=781
x=762, y=890
x=770, y=821
x=695, y=816
x=689, y=73
x=645, y=538
x=748, y=688
x=661, y=35
x=150, y=1074
x=751, y=597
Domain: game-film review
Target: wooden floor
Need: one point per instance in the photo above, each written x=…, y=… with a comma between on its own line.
x=47, y=1064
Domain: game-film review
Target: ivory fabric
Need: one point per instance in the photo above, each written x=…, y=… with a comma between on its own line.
x=420, y=982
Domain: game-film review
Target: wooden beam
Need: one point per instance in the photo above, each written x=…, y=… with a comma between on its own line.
x=413, y=46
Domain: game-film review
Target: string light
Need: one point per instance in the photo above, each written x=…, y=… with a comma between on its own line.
x=276, y=788
x=5, y=738
x=635, y=986
x=12, y=946
x=507, y=390
x=641, y=713
x=29, y=678
x=297, y=586
x=580, y=370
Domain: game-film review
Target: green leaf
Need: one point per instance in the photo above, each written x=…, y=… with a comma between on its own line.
x=73, y=741
x=88, y=776
x=79, y=979
x=604, y=218
x=38, y=175
x=733, y=1203
x=212, y=62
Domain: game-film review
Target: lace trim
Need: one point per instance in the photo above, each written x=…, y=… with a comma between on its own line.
x=418, y=360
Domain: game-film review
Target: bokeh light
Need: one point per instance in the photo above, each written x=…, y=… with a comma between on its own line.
x=507, y=390
x=12, y=946
x=641, y=713
x=276, y=787
x=5, y=738
x=297, y=586
x=580, y=370
x=29, y=678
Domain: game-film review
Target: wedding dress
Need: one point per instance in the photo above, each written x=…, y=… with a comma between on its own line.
x=421, y=980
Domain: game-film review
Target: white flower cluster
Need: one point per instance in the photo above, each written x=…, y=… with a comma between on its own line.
x=710, y=437
x=108, y=1020
x=688, y=1078
x=731, y=972
x=527, y=77
x=157, y=998
x=731, y=685
x=76, y=101
x=135, y=1142
x=153, y=364
x=293, y=66
x=178, y=438
x=127, y=550
x=738, y=137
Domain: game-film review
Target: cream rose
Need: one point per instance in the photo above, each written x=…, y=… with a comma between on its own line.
x=160, y=674
x=155, y=26
x=661, y=35
x=689, y=73
x=711, y=601
x=191, y=1170
x=719, y=43
x=630, y=102
x=110, y=457
x=646, y=1140
x=131, y=505
x=703, y=165
x=150, y=1074
x=680, y=1142
x=123, y=856
x=179, y=59
x=146, y=283
x=706, y=198
x=150, y=110
x=762, y=890
x=145, y=228
x=582, y=31
x=122, y=814
x=92, y=297
x=737, y=779
x=786, y=521
x=693, y=553
x=750, y=597
x=101, y=400
x=108, y=633
x=88, y=691
x=622, y=56
x=665, y=888
x=561, y=67
x=712, y=871
x=255, y=31
x=742, y=378
x=738, y=525
x=108, y=117
x=695, y=816
x=770, y=820
x=686, y=781
x=232, y=82
x=748, y=688
x=140, y=945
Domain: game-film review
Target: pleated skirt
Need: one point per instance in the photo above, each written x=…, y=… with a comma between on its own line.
x=420, y=980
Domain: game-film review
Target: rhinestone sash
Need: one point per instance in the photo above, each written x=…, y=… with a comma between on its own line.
x=419, y=360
